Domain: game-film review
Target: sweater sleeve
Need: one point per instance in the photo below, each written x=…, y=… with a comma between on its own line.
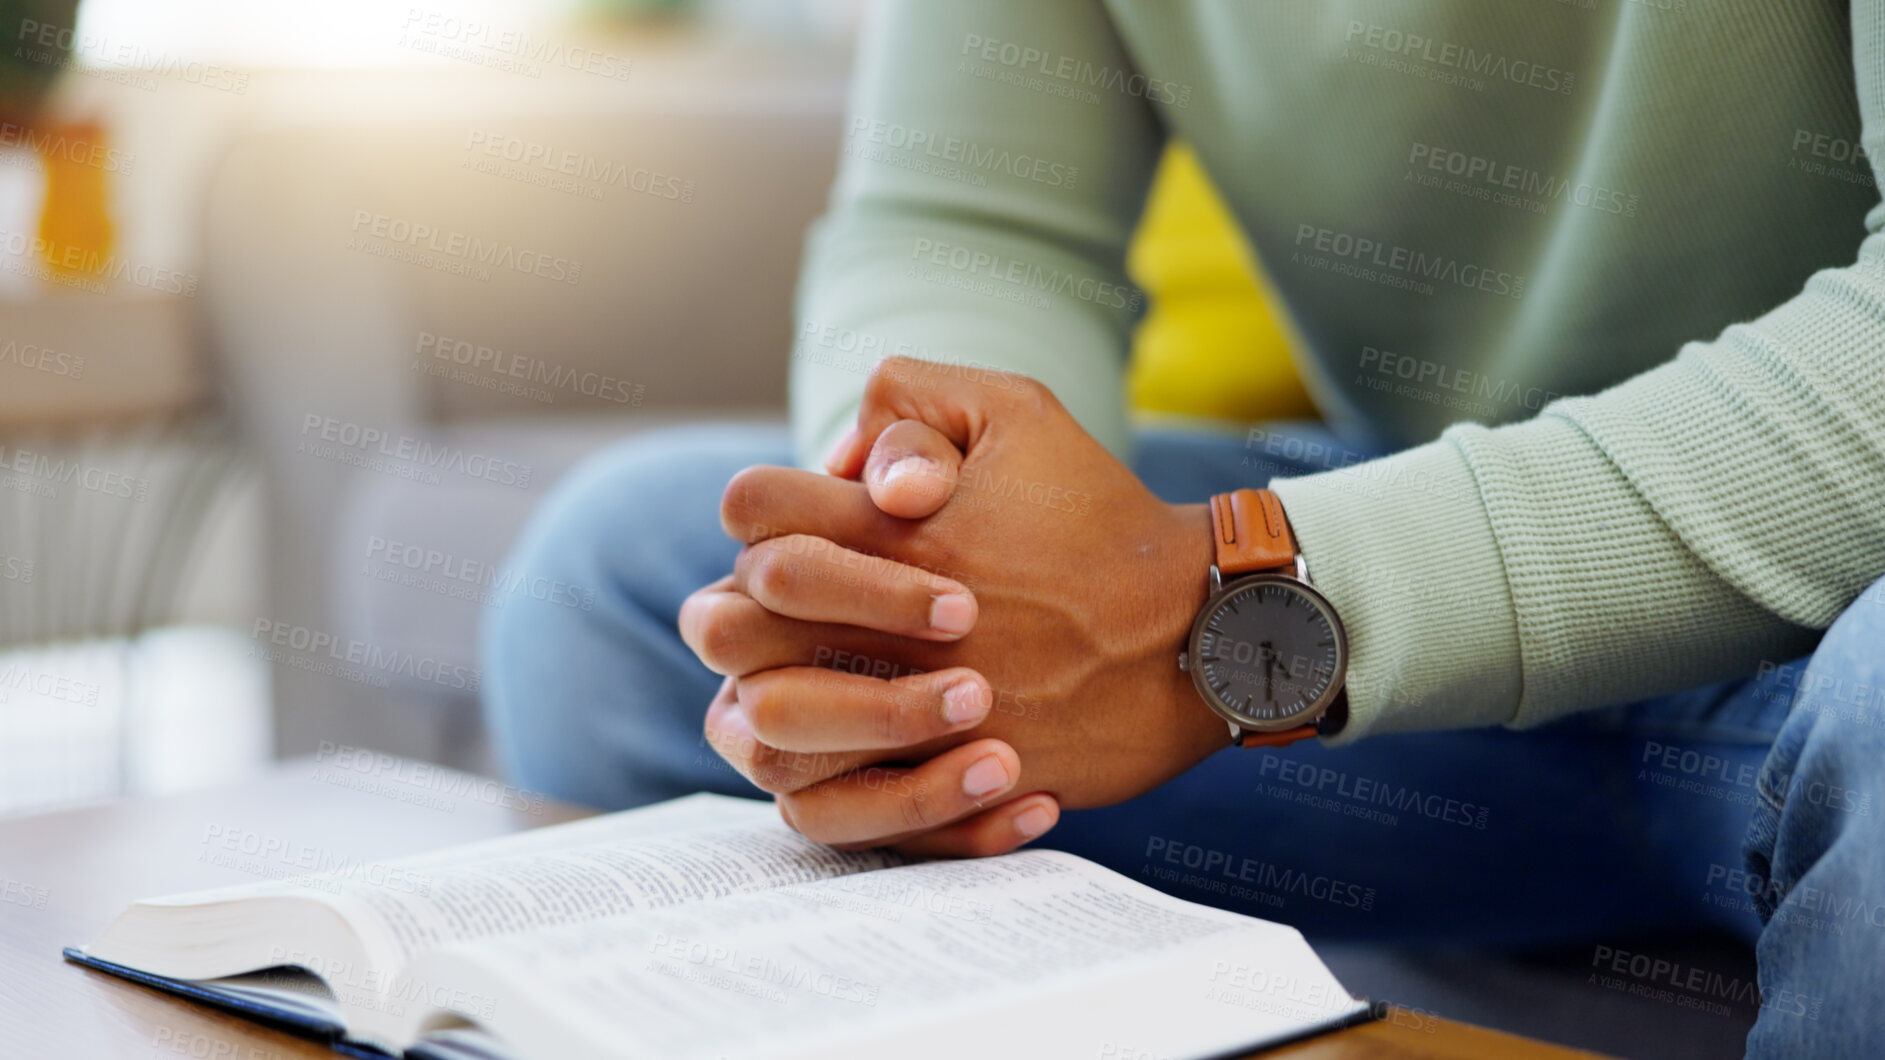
x=995, y=158
x=1678, y=528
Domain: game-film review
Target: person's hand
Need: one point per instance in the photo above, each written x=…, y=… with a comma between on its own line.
x=843, y=640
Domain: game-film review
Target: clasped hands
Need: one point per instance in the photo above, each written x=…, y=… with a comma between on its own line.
x=970, y=623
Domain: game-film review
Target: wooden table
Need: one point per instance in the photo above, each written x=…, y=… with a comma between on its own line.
x=64, y=875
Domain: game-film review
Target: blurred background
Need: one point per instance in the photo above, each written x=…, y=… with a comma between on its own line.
x=303, y=306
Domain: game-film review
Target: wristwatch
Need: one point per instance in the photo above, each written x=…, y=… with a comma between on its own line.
x=1268, y=652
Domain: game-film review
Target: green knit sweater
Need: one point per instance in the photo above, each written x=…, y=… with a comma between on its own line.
x=1634, y=232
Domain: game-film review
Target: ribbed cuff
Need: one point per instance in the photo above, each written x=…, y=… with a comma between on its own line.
x=1612, y=605
x=1403, y=548
x=1513, y=575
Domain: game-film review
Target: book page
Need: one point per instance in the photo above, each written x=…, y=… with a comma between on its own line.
x=562, y=885
x=685, y=851
x=940, y=959
x=331, y=874
x=699, y=847
x=688, y=850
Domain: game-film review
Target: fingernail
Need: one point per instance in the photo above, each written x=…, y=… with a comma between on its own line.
x=985, y=777
x=964, y=702
x=910, y=467
x=952, y=613
x=838, y=450
x=1033, y=821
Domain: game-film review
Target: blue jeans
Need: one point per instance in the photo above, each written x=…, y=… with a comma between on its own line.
x=1747, y=807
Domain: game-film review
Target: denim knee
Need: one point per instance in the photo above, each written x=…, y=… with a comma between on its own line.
x=1827, y=765
x=1815, y=851
x=589, y=691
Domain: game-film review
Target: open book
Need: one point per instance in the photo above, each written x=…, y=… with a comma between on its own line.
x=704, y=927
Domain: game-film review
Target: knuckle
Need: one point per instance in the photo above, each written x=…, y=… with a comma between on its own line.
x=743, y=505
x=796, y=808
x=770, y=783
x=771, y=771
x=915, y=809
x=892, y=728
x=765, y=707
x=771, y=574
x=1032, y=395
x=888, y=728
x=738, y=753
x=693, y=612
x=984, y=843
x=720, y=636
x=887, y=377
x=807, y=820
x=907, y=719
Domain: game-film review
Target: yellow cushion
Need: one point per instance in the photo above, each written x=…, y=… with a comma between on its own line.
x=1209, y=344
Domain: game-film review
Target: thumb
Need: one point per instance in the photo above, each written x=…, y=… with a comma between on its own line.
x=911, y=470
x=956, y=402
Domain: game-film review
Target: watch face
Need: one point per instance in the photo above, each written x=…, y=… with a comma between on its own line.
x=1267, y=652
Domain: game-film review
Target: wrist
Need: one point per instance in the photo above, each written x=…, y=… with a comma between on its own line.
x=1188, y=586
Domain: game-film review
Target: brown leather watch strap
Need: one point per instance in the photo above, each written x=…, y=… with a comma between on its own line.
x=1276, y=739
x=1333, y=720
x=1250, y=532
